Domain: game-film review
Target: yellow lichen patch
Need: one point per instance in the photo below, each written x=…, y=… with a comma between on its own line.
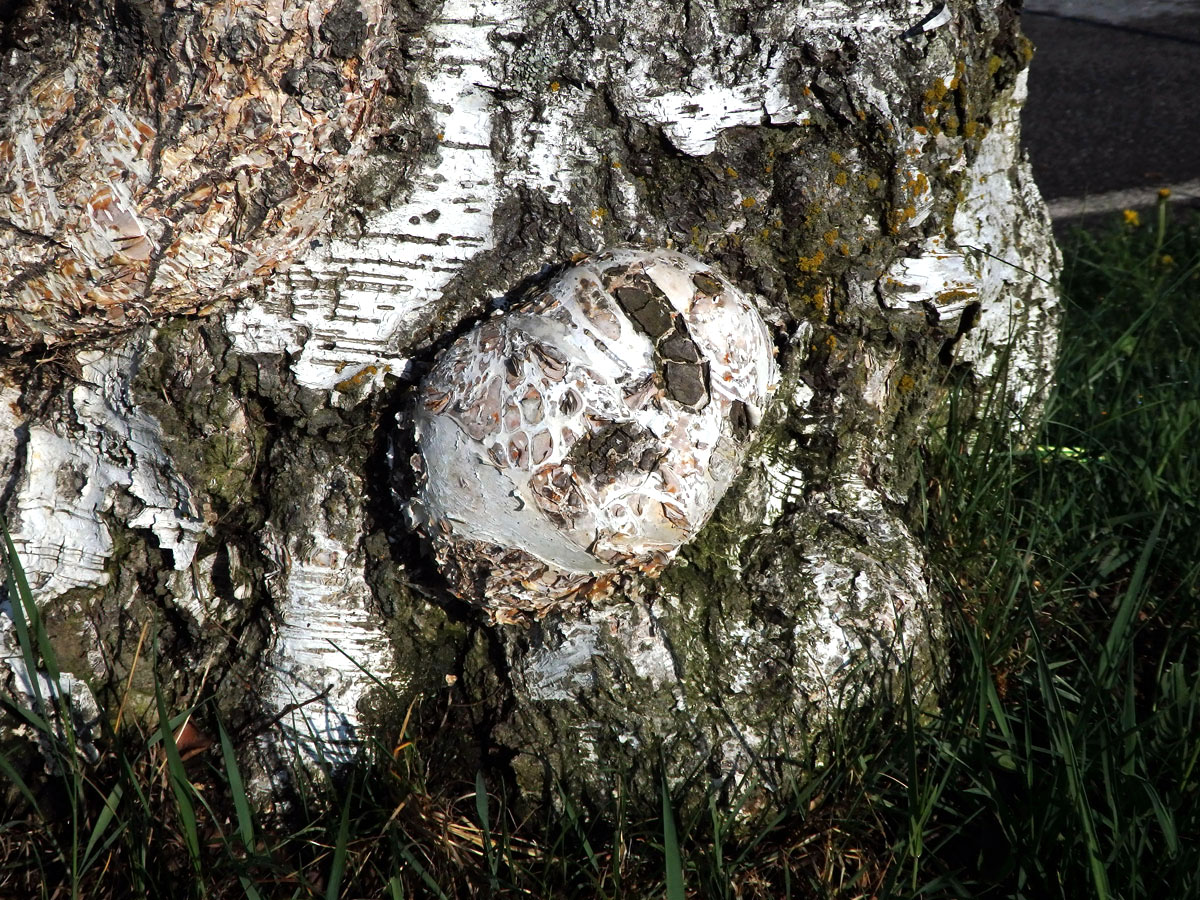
x=830, y=236
x=364, y=374
x=841, y=179
x=731, y=172
x=958, y=295
x=835, y=158
x=905, y=384
x=901, y=216
x=969, y=128
x=994, y=63
x=811, y=263
x=936, y=91
x=813, y=305
x=748, y=202
x=555, y=86
x=873, y=181
x=917, y=184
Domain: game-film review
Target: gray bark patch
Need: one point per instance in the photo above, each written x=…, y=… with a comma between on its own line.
x=344, y=29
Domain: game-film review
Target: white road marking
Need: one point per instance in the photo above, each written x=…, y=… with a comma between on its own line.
x=1113, y=11
x=1131, y=198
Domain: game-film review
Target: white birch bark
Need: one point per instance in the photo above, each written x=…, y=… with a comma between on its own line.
x=235, y=479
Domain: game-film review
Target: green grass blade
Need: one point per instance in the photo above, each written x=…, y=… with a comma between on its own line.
x=571, y=815
x=32, y=616
x=20, y=599
x=18, y=782
x=249, y=887
x=111, y=803
x=237, y=790
x=181, y=786
x=1062, y=742
x=407, y=855
x=29, y=716
x=14, y=565
x=481, y=802
x=673, y=858
x=1166, y=821
x=1131, y=602
x=337, y=869
x=481, y=810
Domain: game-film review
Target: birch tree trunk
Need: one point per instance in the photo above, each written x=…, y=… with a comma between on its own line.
x=235, y=234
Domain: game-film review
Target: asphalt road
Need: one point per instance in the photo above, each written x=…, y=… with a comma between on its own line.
x=1114, y=101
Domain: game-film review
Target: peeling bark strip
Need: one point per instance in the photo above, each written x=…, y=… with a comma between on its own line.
x=114, y=449
x=352, y=301
x=158, y=157
x=236, y=484
x=328, y=629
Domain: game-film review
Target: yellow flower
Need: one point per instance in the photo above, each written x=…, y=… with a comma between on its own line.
x=1132, y=219
x=1166, y=260
x=1164, y=193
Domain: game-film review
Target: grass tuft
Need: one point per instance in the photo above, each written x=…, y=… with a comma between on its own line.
x=1063, y=761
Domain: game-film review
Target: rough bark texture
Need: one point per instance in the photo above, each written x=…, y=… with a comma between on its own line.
x=158, y=157
x=230, y=481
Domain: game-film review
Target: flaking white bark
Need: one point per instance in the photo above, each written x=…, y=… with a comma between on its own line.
x=342, y=308
x=74, y=476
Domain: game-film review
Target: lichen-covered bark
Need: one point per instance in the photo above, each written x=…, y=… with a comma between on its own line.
x=234, y=483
